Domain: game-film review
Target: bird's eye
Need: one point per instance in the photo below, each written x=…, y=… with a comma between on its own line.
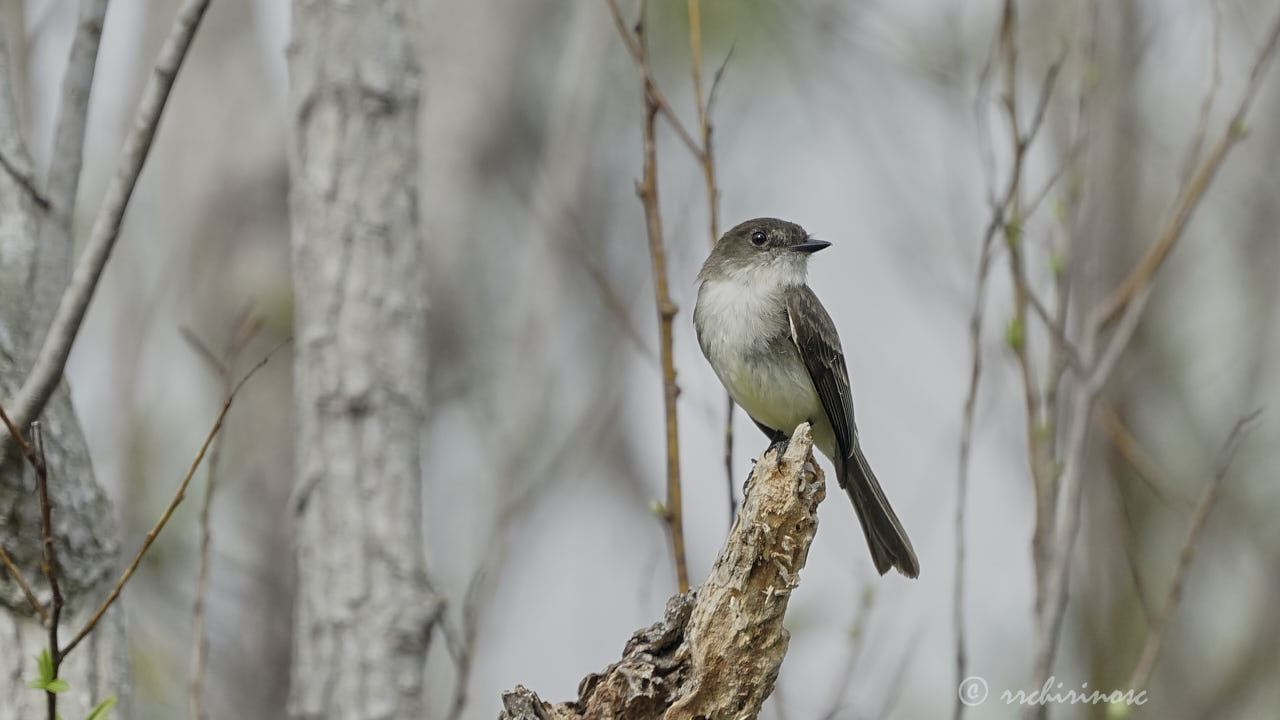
x=758, y=238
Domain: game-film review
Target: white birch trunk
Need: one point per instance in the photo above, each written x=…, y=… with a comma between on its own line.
x=364, y=611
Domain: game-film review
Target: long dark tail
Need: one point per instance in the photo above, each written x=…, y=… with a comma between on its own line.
x=886, y=539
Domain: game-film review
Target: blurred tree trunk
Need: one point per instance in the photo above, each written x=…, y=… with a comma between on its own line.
x=1112, y=230
x=85, y=531
x=364, y=610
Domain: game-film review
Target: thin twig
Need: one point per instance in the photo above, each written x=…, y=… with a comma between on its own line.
x=24, y=181
x=999, y=211
x=463, y=648
x=1155, y=639
x=52, y=358
x=707, y=158
x=215, y=363
x=65, y=161
x=1038, y=459
x=69, y=135
x=966, y=444
x=986, y=153
x=1062, y=277
x=37, y=463
x=730, y=485
x=1206, y=104
x=1141, y=462
x=1068, y=349
x=695, y=61
x=985, y=257
x=1068, y=160
x=1042, y=104
x=23, y=446
x=619, y=308
x=1131, y=559
x=36, y=460
x=246, y=328
x=48, y=563
x=461, y=643
x=1195, y=189
x=173, y=504
x=857, y=633
x=1058, y=524
x=16, y=574
x=634, y=40
x=647, y=190
x=1053, y=567
x=1128, y=300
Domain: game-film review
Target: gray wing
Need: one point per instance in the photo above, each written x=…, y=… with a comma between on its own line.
x=815, y=336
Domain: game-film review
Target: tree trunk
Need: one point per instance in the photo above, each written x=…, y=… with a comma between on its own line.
x=85, y=534
x=364, y=610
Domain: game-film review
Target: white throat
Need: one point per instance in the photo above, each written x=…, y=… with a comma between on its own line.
x=740, y=306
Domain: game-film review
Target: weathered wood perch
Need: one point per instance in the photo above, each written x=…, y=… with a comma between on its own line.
x=716, y=653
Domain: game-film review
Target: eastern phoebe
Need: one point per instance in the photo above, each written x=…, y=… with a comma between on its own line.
x=776, y=351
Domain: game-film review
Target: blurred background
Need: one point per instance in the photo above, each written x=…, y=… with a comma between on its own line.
x=867, y=122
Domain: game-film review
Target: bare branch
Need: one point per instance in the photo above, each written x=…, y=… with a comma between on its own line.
x=23, y=446
x=16, y=574
x=69, y=136
x=1072, y=158
x=462, y=648
x=1189, y=198
x=966, y=443
x=173, y=504
x=246, y=328
x=1059, y=333
x=857, y=632
x=635, y=46
x=52, y=358
x=1155, y=639
x=1068, y=159
x=63, y=179
x=24, y=181
x=1135, y=573
x=1042, y=104
x=707, y=160
x=1143, y=465
x=1052, y=568
x=215, y=363
x=1130, y=297
x=614, y=303
x=647, y=190
x=48, y=563
x=1206, y=105
x=1010, y=216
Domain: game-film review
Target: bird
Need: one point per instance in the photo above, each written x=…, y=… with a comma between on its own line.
x=775, y=349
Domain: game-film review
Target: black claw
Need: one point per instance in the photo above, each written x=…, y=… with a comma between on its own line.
x=780, y=443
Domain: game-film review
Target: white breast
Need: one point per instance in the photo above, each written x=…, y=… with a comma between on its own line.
x=747, y=341
x=734, y=313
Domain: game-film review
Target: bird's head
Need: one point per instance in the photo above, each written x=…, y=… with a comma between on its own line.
x=763, y=251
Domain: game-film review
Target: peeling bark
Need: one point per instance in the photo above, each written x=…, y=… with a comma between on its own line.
x=717, y=651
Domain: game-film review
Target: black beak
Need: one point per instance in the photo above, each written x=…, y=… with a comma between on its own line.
x=811, y=246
